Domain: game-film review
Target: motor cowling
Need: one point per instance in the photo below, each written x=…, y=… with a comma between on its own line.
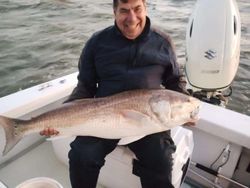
x=212, y=47
x=213, y=44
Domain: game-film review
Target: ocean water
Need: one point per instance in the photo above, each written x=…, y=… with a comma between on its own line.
x=42, y=39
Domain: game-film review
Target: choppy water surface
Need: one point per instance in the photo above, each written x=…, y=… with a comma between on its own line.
x=42, y=39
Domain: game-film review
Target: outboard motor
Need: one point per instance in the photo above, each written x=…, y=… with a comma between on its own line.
x=212, y=49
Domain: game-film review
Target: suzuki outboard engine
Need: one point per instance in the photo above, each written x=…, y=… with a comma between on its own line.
x=212, y=49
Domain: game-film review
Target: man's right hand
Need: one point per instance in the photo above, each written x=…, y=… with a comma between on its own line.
x=49, y=132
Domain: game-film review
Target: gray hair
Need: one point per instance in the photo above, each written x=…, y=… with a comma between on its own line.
x=116, y=2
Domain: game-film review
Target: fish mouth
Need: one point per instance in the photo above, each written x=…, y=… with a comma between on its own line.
x=196, y=103
x=194, y=114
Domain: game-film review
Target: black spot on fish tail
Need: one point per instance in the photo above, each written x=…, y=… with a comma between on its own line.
x=12, y=133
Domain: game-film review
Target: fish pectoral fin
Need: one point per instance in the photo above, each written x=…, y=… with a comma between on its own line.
x=135, y=117
x=127, y=140
x=51, y=138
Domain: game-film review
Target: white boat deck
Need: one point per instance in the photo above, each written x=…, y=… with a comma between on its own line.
x=38, y=162
x=41, y=161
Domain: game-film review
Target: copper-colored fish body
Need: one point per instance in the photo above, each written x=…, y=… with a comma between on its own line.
x=127, y=116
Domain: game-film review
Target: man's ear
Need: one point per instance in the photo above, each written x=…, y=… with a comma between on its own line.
x=114, y=10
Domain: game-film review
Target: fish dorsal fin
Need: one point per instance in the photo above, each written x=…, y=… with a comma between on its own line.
x=128, y=140
x=82, y=101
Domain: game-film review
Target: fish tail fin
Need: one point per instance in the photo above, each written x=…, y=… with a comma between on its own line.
x=12, y=133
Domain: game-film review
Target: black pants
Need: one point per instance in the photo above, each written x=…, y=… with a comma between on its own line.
x=154, y=164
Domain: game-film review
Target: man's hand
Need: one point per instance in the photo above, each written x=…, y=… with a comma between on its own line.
x=49, y=132
x=190, y=124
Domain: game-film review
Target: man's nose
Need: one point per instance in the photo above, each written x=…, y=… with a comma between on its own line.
x=131, y=16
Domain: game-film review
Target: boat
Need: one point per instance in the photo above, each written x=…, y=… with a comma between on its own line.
x=32, y=154
x=221, y=139
x=214, y=153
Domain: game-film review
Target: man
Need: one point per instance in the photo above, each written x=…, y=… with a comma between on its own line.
x=128, y=55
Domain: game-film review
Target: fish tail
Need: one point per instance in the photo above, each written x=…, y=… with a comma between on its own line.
x=12, y=133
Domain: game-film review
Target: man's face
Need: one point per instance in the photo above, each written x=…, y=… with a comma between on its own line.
x=130, y=18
